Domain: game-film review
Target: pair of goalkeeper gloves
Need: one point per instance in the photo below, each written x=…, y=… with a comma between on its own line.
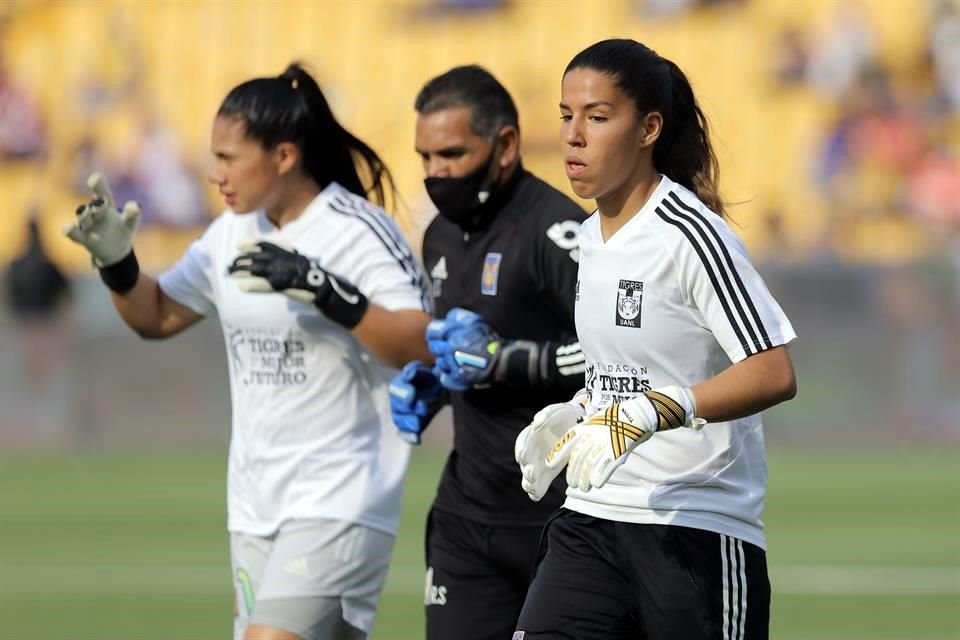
x=262, y=267
x=466, y=351
x=592, y=447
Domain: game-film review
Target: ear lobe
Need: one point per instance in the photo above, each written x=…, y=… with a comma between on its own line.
x=286, y=155
x=652, y=127
x=509, y=139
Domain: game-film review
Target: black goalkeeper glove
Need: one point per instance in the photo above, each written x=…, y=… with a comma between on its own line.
x=264, y=267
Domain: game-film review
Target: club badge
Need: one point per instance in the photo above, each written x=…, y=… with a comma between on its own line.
x=629, y=300
x=491, y=274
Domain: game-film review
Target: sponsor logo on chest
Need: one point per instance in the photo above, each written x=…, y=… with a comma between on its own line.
x=616, y=382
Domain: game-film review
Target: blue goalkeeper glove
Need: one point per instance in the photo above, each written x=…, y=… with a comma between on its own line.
x=416, y=396
x=466, y=349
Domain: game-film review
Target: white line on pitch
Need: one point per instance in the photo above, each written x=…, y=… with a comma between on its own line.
x=407, y=578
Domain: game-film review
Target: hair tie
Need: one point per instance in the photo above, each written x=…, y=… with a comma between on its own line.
x=295, y=83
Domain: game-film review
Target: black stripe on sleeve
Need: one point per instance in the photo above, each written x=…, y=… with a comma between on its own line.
x=724, y=302
x=370, y=217
x=733, y=270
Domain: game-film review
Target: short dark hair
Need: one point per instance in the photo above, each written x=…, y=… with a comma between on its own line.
x=491, y=107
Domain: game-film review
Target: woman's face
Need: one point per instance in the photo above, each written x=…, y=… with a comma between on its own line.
x=601, y=133
x=245, y=173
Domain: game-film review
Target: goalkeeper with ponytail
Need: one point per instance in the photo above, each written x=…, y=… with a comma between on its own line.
x=320, y=300
x=660, y=536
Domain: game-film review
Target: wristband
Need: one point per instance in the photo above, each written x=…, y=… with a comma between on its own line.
x=121, y=276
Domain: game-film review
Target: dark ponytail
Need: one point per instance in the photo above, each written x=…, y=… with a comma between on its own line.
x=292, y=108
x=683, y=151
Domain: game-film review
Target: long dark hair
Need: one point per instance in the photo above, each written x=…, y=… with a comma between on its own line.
x=292, y=108
x=683, y=151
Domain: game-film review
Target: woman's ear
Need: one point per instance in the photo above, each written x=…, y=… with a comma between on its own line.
x=285, y=157
x=652, y=125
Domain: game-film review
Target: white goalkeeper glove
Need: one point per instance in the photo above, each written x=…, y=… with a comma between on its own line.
x=533, y=445
x=600, y=444
x=104, y=231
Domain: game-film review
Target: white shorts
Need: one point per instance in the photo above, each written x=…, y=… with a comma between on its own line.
x=310, y=578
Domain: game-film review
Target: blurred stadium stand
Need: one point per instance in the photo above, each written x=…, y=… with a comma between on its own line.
x=835, y=130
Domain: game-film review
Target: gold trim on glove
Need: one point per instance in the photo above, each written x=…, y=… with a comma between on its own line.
x=670, y=414
x=620, y=430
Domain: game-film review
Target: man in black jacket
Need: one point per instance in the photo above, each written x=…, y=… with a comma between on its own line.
x=502, y=256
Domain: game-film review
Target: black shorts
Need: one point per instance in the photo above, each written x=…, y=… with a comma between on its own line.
x=477, y=577
x=603, y=579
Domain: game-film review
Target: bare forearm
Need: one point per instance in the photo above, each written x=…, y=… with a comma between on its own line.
x=394, y=337
x=139, y=307
x=748, y=387
x=147, y=311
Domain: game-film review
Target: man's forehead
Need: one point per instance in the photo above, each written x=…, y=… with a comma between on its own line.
x=445, y=127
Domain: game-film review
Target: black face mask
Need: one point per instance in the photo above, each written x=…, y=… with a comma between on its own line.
x=463, y=200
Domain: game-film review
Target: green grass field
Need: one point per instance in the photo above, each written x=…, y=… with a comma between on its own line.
x=131, y=545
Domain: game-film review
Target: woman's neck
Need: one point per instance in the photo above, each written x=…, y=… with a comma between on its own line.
x=296, y=199
x=618, y=208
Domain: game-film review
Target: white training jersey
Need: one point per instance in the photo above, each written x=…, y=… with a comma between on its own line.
x=672, y=299
x=312, y=435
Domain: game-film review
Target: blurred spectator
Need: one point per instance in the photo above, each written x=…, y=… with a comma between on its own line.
x=152, y=170
x=887, y=134
x=96, y=92
x=776, y=245
x=172, y=188
x=790, y=57
x=35, y=285
x=933, y=189
x=919, y=352
x=944, y=50
x=85, y=158
x=470, y=5
x=842, y=53
x=664, y=8
x=39, y=406
x=871, y=147
x=719, y=3
x=675, y=8
x=22, y=131
x=442, y=8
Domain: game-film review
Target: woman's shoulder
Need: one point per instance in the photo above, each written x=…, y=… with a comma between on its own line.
x=356, y=214
x=686, y=217
x=344, y=201
x=222, y=224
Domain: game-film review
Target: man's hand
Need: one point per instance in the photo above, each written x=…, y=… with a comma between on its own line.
x=416, y=396
x=534, y=444
x=265, y=267
x=466, y=349
x=100, y=228
x=598, y=446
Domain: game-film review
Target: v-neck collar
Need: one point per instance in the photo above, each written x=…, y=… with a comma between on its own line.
x=656, y=197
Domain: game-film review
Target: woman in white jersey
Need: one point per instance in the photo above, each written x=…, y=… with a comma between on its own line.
x=316, y=468
x=660, y=536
